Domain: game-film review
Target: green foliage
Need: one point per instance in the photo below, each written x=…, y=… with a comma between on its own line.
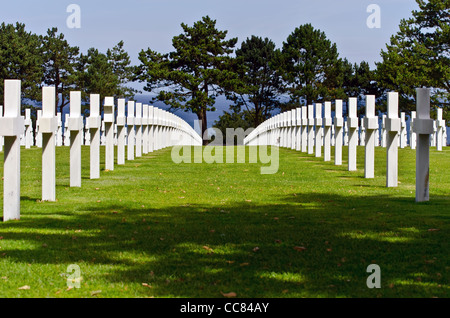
x=21, y=58
x=60, y=59
x=121, y=68
x=105, y=74
x=310, y=65
x=97, y=74
x=195, y=73
x=260, y=84
x=418, y=56
x=235, y=118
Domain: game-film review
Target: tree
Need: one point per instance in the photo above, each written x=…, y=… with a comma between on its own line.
x=195, y=73
x=310, y=66
x=21, y=58
x=418, y=55
x=120, y=61
x=95, y=75
x=59, y=65
x=235, y=118
x=260, y=83
x=105, y=74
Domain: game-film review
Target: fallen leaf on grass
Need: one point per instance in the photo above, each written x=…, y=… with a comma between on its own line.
x=95, y=292
x=432, y=230
x=299, y=248
x=209, y=249
x=244, y=264
x=24, y=287
x=228, y=295
x=146, y=285
x=256, y=249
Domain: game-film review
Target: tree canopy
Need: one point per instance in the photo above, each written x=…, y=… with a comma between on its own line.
x=195, y=73
x=418, y=55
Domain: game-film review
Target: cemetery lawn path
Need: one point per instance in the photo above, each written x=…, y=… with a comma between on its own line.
x=153, y=228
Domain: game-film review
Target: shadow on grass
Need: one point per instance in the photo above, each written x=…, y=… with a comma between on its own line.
x=313, y=245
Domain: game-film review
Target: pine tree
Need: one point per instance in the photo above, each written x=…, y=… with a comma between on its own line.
x=195, y=73
x=60, y=59
x=418, y=55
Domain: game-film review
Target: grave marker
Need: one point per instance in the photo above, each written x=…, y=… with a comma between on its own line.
x=371, y=126
x=59, y=140
x=440, y=123
x=121, y=120
x=338, y=124
x=11, y=126
x=304, y=142
x=403, y=130
x=28, y=129
x=130, y=131
x=352, y=124
x=298, y=130
x=145, y=129
x=318, y=131
x=75, y=127
x=94, y=122
x=423, y=127
x=327, y=132
x=412, y=134
x=108, y=119
x=310, y=129
x=48, y=125
x=393, y=127
x=138, y=125
x=151, y=129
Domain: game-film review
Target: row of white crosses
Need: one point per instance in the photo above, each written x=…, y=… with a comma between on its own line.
x=155, y=129
x=304, y=129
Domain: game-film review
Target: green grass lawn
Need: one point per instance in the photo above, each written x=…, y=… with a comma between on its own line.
x=152, y=228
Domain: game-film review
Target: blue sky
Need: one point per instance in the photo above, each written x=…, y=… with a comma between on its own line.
x=153, y=23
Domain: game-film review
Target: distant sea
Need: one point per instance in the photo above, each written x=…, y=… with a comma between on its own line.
x=222, y=104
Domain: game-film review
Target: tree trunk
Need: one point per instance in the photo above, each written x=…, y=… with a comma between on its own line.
x=203, y=121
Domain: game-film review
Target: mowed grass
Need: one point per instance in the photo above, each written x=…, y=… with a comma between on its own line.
x=153, y=228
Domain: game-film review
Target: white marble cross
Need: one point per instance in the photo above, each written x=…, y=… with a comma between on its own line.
x=371, y=126
x=138, y=124
x=75, y=128
x=318, y=131
x=423, y=127
x=327, y=121
x=108, y=119
x=11, y=127
x=393, y=127
x=94, y=121
x=121, y=120
x=310, y=129
x=338, y=128
x=352, y=124
x=130, y=130
x=48, y=125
